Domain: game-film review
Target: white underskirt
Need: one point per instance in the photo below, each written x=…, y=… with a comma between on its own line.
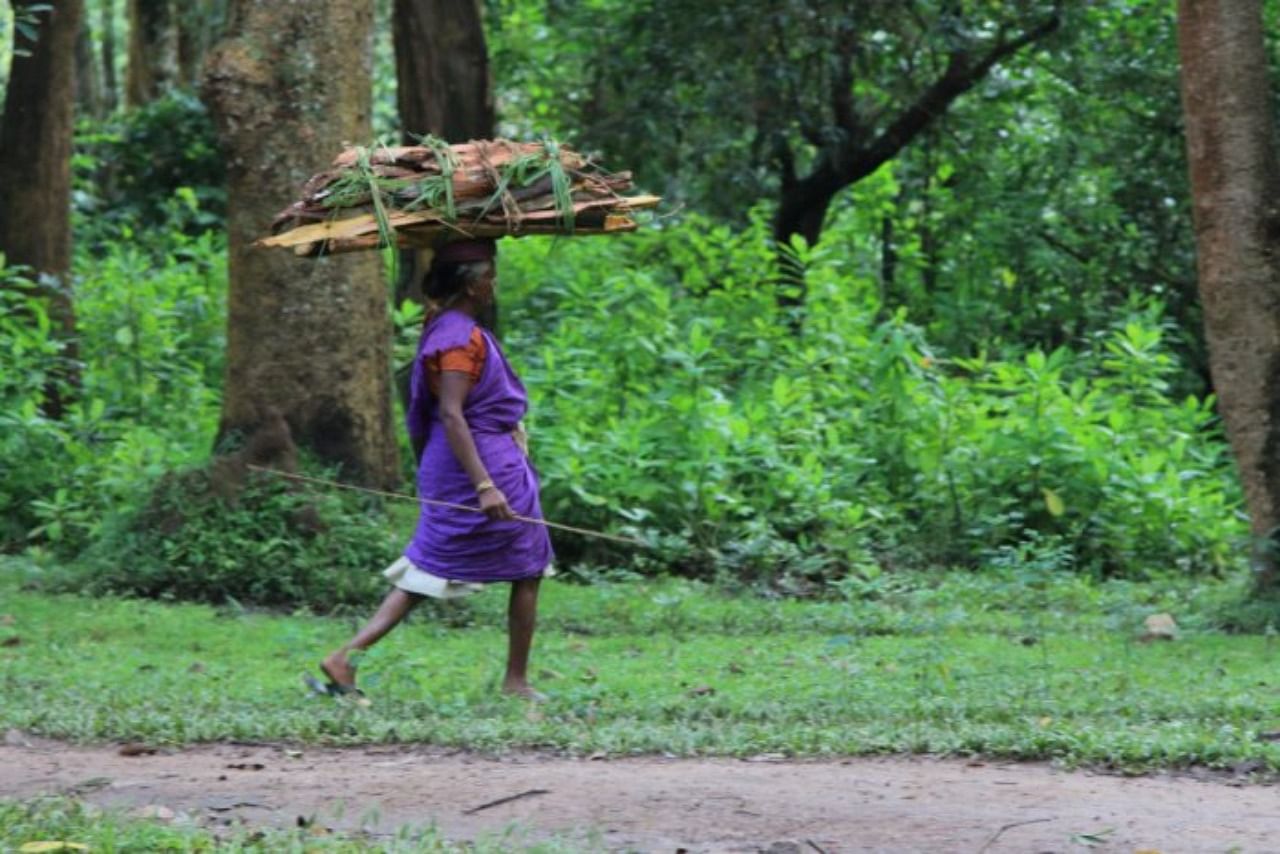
x=404, y=575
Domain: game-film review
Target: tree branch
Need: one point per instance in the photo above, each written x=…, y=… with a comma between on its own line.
x=804, y=200
x=959, y=77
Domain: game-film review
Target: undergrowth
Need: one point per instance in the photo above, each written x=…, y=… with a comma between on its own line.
x=204, y=537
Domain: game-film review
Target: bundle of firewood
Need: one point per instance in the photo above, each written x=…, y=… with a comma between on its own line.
x=419, y=196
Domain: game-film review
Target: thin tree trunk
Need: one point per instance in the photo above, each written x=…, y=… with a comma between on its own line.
x=928, y=237
x=1235, y=187
x=308, y=339
x=88, y=81
x=888, y=259
x=35, y=169
x=152, y=51
x=110, y=88
x=193, y=28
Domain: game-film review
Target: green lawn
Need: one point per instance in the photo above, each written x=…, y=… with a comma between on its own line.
x=965, y=665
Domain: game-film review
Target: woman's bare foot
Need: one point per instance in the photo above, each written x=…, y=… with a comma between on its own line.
x=522, y=688
x=339, y=669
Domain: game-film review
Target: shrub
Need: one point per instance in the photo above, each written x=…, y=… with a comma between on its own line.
x=154, y=167
x=150, y=328
x=201, y=538
x=672, y=394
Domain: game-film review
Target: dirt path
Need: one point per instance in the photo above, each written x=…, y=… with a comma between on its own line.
x=655, y=804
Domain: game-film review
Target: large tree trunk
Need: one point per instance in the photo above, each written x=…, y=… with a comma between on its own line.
x=309, y=339
x=443, y=87
x=35, y=167
x=1235, y=187
x=152, y=51
x=442, y=69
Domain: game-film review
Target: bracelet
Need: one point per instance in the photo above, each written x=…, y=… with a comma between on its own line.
x=484, y=485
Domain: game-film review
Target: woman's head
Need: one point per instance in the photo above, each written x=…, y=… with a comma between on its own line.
x=463, y=270
x=451, y=282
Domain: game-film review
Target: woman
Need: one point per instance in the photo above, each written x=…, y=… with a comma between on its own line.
x=464, y=421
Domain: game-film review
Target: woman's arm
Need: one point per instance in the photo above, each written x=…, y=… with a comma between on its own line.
x=454, y=386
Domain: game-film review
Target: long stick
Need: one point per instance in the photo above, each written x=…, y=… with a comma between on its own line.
x=434, y=503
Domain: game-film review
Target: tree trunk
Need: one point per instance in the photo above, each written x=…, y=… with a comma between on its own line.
x=88, y=81
x=1235, y=187
x=35, y=168
x=110, y=88
x=442, y=69
x=309, y=339
x=802, y=208
x=152, y=51
x=194, y=23
x=443, y=87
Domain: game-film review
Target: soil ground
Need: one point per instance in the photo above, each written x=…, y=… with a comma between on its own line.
x=660, y=804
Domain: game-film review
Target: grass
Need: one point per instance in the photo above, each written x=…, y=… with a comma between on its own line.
x=957, y=665
x=52, y=820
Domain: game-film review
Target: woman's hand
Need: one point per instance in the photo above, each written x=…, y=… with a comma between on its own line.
x=495, y=505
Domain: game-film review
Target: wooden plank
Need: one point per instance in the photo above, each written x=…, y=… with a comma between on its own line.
x=424, y=237
x=356, y=227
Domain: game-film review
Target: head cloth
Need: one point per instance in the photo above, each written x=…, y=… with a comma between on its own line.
x=467, y=251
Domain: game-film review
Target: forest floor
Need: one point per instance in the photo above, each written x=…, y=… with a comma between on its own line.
x=657, y=804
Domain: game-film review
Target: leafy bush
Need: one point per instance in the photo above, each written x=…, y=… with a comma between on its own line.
x=202, y=538
x=672, y=393
x=157, y=166
x=150, y=330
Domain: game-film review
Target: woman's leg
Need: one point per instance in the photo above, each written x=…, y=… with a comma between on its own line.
x=393, y=609
x=522, y=614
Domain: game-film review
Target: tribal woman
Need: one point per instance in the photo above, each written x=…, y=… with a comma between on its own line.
x=464, y=418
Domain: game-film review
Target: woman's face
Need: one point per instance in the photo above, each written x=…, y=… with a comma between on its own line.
x=485, y=289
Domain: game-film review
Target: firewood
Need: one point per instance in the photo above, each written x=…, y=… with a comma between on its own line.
x=422, y=195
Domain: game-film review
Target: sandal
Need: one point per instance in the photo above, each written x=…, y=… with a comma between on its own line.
x=331, y=688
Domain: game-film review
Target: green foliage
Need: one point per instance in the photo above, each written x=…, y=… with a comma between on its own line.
x=1035, y=211
x=672, y=397
x=202, y=538
x=150, y=330
x=154, y=167
x=26, y=26
x=959, y=664
x=671, y=394
x=1029, y=214
x=706, y=120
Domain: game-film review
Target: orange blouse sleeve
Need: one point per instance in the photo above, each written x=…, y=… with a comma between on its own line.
x=467, y=360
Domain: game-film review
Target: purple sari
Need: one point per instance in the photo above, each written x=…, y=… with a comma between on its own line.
x=456, y=544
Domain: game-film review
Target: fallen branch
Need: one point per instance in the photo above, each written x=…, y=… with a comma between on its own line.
x=996, y=835
x=500, y=801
